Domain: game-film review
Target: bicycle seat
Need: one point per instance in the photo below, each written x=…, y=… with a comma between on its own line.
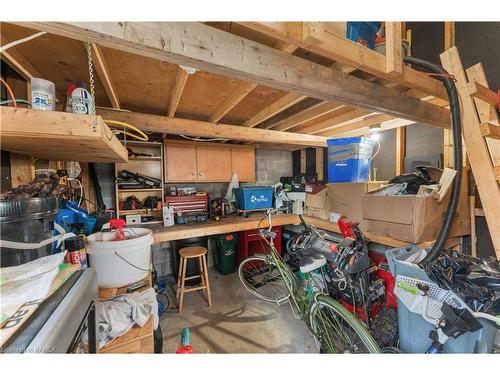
x=312, y=262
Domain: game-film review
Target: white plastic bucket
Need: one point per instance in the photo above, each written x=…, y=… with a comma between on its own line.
x=120, y=263
x=43, y=94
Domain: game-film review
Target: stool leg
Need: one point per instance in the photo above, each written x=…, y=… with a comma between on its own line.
x=205, y=273
x=183, y=281
x=202, y=271
x=179, y=276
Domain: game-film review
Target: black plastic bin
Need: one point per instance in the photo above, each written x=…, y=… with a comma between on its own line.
x=26, y=220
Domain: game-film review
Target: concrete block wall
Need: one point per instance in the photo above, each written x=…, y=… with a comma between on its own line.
x=162, y=257
x=270, y=166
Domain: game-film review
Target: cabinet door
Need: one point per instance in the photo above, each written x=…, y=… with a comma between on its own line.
x=180, y=162
x=214, y=163
x=243, y=163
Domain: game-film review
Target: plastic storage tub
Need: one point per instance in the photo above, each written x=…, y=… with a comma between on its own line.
x=349, y=159
x=414, y=329
x=363, y=32
x=254, y=197
x=120, y=263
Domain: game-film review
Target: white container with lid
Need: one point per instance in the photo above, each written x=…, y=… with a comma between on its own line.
x=43, y=94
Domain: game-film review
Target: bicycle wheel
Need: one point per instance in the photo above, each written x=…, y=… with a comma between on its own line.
x=262, y=279
x=336, y=330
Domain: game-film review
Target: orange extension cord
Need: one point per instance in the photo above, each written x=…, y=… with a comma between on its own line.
x=9, y=91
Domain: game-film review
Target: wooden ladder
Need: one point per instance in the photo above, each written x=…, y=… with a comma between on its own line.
x=481, y=134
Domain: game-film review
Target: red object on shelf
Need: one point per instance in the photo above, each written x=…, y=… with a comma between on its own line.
x=188, y=203
x=250, y=243
x=390, y=298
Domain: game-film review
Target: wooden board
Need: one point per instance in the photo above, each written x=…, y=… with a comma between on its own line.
x=194, y=128
x=55, y=135
x=238, y=223
x=219, y=52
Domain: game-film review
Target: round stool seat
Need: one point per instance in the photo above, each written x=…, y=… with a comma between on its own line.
x=192, y=252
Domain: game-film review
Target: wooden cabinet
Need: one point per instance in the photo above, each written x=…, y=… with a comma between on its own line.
x=214, y=163
x=243, y=163
x=207, y=162
x=180, y=162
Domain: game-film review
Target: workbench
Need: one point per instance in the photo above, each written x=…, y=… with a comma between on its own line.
x=235, y=223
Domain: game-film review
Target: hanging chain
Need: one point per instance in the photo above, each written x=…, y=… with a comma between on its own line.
x=92, y=85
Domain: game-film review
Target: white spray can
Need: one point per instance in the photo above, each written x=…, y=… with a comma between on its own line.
x=81, y=101
x=43, y=94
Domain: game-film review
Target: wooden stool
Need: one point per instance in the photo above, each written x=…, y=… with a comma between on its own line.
x=187, y=253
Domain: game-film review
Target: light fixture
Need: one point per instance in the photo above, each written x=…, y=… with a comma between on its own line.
x=374, y=130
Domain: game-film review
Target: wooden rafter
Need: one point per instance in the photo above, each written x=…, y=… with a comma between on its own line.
x=355, y=125
x=344, y=51
x=224, y=53
x=278, y=106
x=180, y=81
x=244, y=88
x=194, y=128
x=239, y=93
x=309, y=114
x=337, y=121
x=18, y=61
x=104, y=75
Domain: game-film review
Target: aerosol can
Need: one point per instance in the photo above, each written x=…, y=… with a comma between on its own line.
x=81, y=100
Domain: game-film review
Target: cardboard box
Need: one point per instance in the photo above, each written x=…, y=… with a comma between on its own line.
x=414, y=219
x=317, y=205
x=345, y=199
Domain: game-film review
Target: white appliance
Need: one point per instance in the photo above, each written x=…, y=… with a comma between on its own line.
x=299, y=199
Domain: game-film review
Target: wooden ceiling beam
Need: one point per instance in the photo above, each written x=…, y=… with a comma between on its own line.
x=244, y=88
x=104, y=75
x=278, y=106
x=180, y=81
x=365, y=123
x=307, y=115
x=217, y=51
x=365, y=131
x=347, y=52
x=345, y=118
x=194, y=128
x=232, y=100
x=18, y=61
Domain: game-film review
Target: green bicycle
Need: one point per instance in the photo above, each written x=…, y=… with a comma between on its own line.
x=334, y=328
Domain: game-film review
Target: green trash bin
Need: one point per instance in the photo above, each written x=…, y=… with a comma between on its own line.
x=226, y=253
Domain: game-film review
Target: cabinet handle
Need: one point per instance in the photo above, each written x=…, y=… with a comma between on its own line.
x=199, y=174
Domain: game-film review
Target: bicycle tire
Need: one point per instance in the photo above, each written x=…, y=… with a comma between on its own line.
x=336, y=330
x=262, y=279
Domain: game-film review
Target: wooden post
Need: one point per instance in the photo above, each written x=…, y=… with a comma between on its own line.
x=303, y=160
x=393, y=48
x=319, y=163
x=449, y=41
x=400, y=150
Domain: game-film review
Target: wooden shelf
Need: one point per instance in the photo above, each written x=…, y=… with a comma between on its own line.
x=145, y=158
x=138, y=190
x=55, y=135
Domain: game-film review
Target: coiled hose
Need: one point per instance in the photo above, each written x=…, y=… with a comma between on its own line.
x=453, y=99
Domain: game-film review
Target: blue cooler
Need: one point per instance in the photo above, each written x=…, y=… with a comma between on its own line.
x=349, y=159
x=414, y=329
x=254, y=197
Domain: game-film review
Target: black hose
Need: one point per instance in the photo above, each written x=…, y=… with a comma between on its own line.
x=453, y=99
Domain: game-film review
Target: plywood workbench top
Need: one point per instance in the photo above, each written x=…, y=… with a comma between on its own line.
x=234, y=223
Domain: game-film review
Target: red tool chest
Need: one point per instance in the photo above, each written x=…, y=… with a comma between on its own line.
x=188, y=203
x=250, y=243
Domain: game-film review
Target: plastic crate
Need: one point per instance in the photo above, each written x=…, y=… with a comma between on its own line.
x=254, y=197
x=414, y=329
x=363, y=32
x=349, y=159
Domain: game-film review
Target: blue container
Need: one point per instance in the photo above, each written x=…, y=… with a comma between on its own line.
x=363, y=32
x=254, y=197
x=349, y=159
x=414, y=329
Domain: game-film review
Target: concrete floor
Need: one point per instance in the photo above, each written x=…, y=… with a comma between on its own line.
x=237, y=322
